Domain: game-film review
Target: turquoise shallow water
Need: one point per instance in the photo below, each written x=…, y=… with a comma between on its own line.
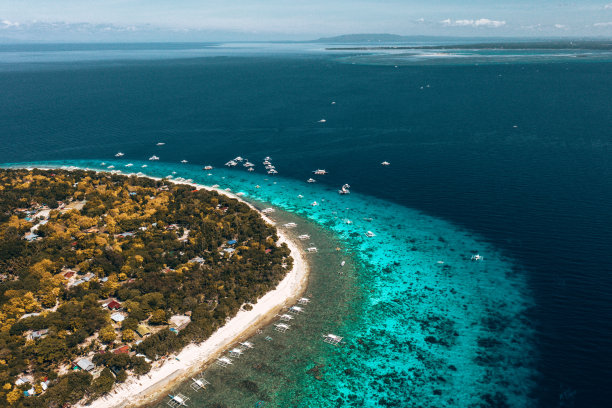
x=432, y=327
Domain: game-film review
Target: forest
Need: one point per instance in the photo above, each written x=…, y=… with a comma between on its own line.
x=102, y=275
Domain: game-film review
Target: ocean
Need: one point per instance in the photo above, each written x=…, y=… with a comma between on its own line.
x=503, y=156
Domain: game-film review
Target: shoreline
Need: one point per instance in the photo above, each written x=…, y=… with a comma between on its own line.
x=193, y=358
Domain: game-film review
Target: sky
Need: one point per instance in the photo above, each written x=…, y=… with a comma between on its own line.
x=206, y=20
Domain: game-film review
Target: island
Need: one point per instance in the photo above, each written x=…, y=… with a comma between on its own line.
x=103, y=275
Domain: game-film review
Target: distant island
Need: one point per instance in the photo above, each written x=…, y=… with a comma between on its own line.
x=102, y=274
x=459, y=43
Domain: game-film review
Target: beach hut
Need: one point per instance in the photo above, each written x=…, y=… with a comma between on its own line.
x=332, y=339
x=143, y=331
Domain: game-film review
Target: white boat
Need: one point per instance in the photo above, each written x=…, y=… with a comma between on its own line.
x=248, y=164
x=129, y=165
x=184, y=161
x=477, y=257
x=300, y=196
x=208, y=167
x=295, y=309
x=153, y=158
x=178, y=400
x=342, y=263
x=333, y=103
x=311, y=180
x=231, y=163
x=144, y=165
x=385, y=163
x=266, y=163
x=247, y=344
x=304, y=236
x=119, y=154
x=239, y=159
x=224, y=361
x=267, y=158
x=370, y=234
x=111, y=167
x=103, y=164
x=290, y=225
x=251, y=169
x=320, y=172
x=160, y=143
x=314, y=203
x=332, y=339
x=344, y=189
x=272, y=171
x=312, y=249
x=199, y=384
x=322, y=121
x=282, y=327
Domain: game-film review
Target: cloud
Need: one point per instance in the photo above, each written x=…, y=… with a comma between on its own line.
x=481, y=22
x=608, y=24
x=608, y=6
x=560, y=26
x=8, y=24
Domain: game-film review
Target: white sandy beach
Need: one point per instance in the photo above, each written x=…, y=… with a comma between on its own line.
x=166, y=373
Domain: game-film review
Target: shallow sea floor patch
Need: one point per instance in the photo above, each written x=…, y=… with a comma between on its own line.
x=424, y=324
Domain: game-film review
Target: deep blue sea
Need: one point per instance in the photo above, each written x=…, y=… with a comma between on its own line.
x=506, y=156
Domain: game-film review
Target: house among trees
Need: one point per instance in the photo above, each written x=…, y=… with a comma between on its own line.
x=122, y=350
x=117, y=317
x=179, y=322
x=143, y=330
x=113, y=305
x=85, y=364
x=38, y=334
x=30, y=236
